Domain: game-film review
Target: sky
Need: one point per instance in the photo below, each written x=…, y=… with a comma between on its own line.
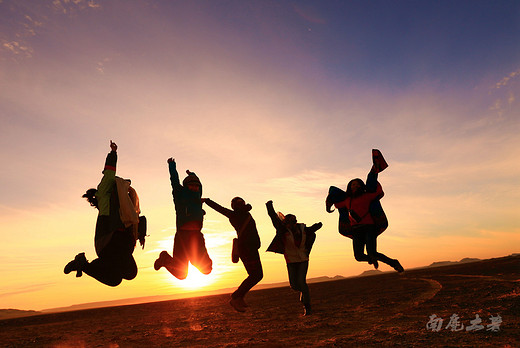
x=267, y=100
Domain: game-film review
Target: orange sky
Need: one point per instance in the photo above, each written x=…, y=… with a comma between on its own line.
x=261, y=106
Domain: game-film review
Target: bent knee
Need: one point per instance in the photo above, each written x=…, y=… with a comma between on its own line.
x=259, y=276
x=206, y=271
x=114, y=282
x=130, y=276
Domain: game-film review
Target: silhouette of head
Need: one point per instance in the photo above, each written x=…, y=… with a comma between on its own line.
x=355, y=188
x=90, y=195
x=192, y=182
x=290, y=220
x=238, y=204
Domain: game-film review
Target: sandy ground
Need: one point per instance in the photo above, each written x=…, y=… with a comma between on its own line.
x=378, y=311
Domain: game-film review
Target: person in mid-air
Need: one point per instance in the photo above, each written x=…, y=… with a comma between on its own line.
x=118, y=227
x=361, y=216
x=248, y=243
x=294, y=240
x=189, y=244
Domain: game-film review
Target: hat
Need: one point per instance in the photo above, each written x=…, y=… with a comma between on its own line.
x=192, y=179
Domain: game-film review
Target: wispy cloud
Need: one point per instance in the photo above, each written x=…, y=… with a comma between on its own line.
x=507, y=80
x=25, y=289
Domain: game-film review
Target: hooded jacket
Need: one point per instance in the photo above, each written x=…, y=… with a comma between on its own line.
x=243, y=223
x=284, y=242
x=188, y=204
x=109, y=219
x=367, y=206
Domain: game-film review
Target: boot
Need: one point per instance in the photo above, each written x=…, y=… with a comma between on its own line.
x=78, y=264
x=397, y=266
x=161, y=261
x=373, y=261
x=307, y=310
x=242, y=302
x=378, y=161
x=235, y=303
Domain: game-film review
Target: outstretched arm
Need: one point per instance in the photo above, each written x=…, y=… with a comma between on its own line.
x=314, y=227
x=224, y=211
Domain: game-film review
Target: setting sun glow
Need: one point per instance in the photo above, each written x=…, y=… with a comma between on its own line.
x=195, y=280
x=266, y=100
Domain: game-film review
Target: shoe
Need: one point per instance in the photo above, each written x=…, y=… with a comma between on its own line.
x=160, y=262
x=378, y=161
x=374, y=262
x=307, y=310
x=235, y=303
x=242, y=302
x=397, y=266
x=79, y=262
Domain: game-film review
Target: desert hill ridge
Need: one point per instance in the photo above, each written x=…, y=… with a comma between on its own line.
x=445, y=263
x=389, y=309
x=15, y=313
x=146, y=299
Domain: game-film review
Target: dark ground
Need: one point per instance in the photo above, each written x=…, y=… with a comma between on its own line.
x=378, y=311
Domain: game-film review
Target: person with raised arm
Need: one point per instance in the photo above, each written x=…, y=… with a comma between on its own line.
x=189, y=244
x=118, y=227
x=247, y=245
x=361, y=216
x=294, y=240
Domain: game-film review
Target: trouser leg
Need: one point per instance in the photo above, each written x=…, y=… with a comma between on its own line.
x=177, y=264
x=371, y=240
x=199, y=254
x=298, y=279
x=358, y=245
x=115, y=261
x=254, y=271
x=104, y=270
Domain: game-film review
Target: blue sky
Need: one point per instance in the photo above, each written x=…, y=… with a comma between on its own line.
x=266, y=100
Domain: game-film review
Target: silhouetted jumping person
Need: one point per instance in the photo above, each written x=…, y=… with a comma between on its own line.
x=118, y=227
x=361, y=216
x=294, y=240
x=189, y=244
x=248, y=245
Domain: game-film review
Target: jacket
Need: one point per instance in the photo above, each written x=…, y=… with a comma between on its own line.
x=284, y=241
x=108, y=219
x=243, y=223
x=188, y=204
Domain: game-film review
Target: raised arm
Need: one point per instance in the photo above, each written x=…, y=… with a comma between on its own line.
x=174, y=175
x=379, y=164
x=106, y=185
x=277, y=223
x=224, y=211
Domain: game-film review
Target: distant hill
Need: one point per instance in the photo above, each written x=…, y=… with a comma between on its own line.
x=446, y=263
x=371, y=272
x=16, y=313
